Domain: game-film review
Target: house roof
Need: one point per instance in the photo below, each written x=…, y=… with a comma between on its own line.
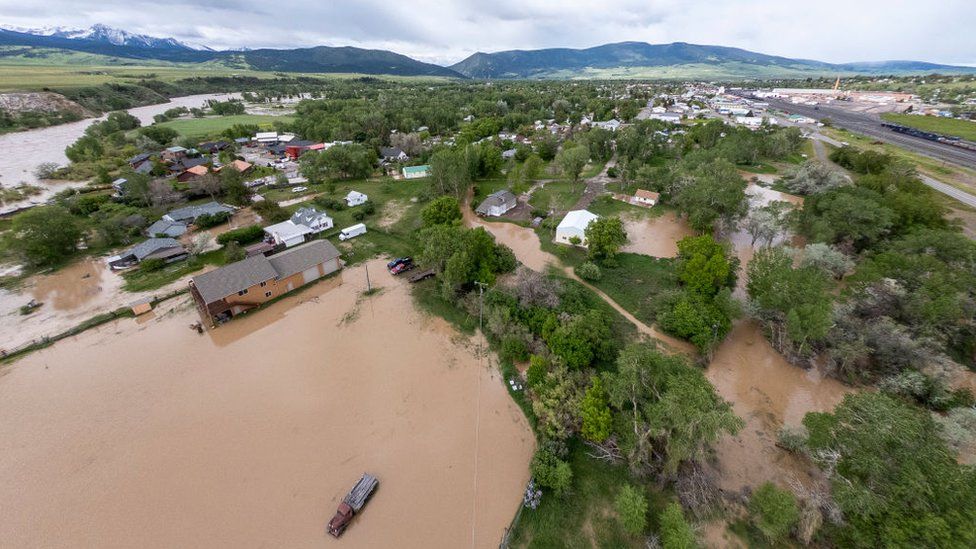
x=416, y=169
x=307, y=216
x=230, y=279
x=151, y=246
x=189, y=213
x=139, y=158
x=305, y=256
x=500, y=198
x=198, y=170
x=301, y=143
x=163, y=226
x=391, y=152
x=239, y=165
x=353, y=195
x=287, y=229
x=176, y=149
x=577, y=219
x=641, y=193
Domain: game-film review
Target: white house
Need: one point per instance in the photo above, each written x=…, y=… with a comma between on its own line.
x=645, y=197
x=355, y=198
x=497, y=203
x=611, y=124
x=313, y=219
x=574, y=225
x=287, y=233
x=671, y=117
x=749, y=121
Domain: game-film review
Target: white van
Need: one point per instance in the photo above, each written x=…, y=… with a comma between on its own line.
x=351, y=232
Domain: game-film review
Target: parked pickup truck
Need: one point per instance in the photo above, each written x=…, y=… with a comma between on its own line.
x=352, y=504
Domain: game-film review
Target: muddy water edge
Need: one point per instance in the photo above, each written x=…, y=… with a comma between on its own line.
x=149, y=435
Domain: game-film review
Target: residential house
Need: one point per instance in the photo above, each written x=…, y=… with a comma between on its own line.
x=238, y=165
x=166, y=228
x=416, y=172
x=573, y=227
x=287, y=233
x=509, y=154
x=313, y=219
x=239, y=287
x=613, y=125
x=193, y=173
x=671, y=117
x=213, y=147
x=355, y=198
x=188, y=214
x=497, y=203
x=119, y=186
x=167, y=249
x=393, y=154
x=174, y=153
x=138, y=159
x=645, y=197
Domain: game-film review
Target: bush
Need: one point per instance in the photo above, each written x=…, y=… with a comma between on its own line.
x=270, y=211
x=552, y=472
x=675, y=531
x=538, y=368
x=792, y=439
x=514, y=349
x=589, y=271
x=632, y=509
x=151, y=265
x=360, y=215
x=612, y=172
x=206, y=221
x=244, y=235
x=234, y=252
x=773, y=512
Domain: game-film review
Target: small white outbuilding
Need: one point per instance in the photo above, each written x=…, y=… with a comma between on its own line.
x=355, y=198
x=574, y=225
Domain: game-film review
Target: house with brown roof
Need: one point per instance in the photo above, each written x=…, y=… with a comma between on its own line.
x=193, y=173
x=234, y=289
x=646, y=198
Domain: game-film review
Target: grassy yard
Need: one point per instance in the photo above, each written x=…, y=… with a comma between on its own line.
x=965, y=129
x=196, y=128
x=557, y=195
x=636, y=282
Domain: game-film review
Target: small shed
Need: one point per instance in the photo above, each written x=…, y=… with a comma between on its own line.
x=142, y=306
x=646, y=198
x=355, y=198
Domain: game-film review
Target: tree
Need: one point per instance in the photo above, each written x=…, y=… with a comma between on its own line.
x=547, y=148
x=162, y=193
x=571, y=160
x=86, y=149
x=448, y=172
x=234, y=252
x=713, y=193
x=604, y=237
x=675, y=531
x=232, y=183
x=595, y=412
x=444, y=210
x=893, y=477
x=45, y=235
x=827, y=259
x=675, y=414
x=161, y=135
x=773, y=512
x=856, y=215
x=704, y=265
x=814, y=177
x=589, y=271
x=766, y=223
x=551, y=472
x=582, y=340
x=208, y=184
x=631, y=507
x=698, y=318
x=271, y=211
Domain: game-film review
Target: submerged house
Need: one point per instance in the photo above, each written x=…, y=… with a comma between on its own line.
x=497, y=203
x=239, y=287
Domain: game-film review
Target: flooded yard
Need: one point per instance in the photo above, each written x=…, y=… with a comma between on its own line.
x=150, y=435
x=655, y=236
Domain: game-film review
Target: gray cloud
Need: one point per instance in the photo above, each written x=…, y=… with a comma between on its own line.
x=444, y=32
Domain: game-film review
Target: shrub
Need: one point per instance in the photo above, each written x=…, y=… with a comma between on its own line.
x=675, y=531
x=773, y=512
x=244, y=235
x=612, y=171
x=206, y=221
x=632, y=508
x=151, y=265
x=552, y=472
x=270, y=211
x=589, y=271
x=234, y=252
x=514, y=349
x=359, y=215
x=538, y=368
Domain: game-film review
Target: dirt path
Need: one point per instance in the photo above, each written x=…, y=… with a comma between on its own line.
x=149, y=435
x=595, y=186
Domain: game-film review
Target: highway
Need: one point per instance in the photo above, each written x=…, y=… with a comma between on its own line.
x=870, y=125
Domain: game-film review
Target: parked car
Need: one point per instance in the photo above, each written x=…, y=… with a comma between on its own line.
x=299, y=189
x=402, y=268
x=398, y=261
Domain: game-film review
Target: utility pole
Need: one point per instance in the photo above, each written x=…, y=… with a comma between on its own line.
x=368, y=287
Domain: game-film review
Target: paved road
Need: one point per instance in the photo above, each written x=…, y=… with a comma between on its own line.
x=870, y=125
x=949, y=190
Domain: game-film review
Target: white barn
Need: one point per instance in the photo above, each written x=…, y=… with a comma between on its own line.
x=574, y=225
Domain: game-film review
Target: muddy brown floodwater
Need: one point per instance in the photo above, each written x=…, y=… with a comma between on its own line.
x=656, y=236
x=150, y=435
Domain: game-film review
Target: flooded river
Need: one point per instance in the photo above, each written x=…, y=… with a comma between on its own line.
x=24, y=151
x=154, y=436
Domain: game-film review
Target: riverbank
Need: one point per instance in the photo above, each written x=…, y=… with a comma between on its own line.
x=168, y=438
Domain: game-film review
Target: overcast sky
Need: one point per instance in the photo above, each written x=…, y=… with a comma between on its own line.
x=447, y=31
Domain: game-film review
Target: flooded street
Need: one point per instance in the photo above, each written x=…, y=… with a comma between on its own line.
x=154, y=436
x=24, y=151
x=656, y=236
x=768, y=393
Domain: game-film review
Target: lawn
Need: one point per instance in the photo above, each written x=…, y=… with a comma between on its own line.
x=138, y=280
x=196, y=128
x=557, y=196
x=636, y=282
x=965, y=129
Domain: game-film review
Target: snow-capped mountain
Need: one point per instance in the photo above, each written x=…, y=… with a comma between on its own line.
x=107, y=35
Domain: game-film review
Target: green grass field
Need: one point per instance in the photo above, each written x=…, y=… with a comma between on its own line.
x=212, y=125
x=965, y=129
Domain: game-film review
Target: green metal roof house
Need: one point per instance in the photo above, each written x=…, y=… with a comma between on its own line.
x=416, y=172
